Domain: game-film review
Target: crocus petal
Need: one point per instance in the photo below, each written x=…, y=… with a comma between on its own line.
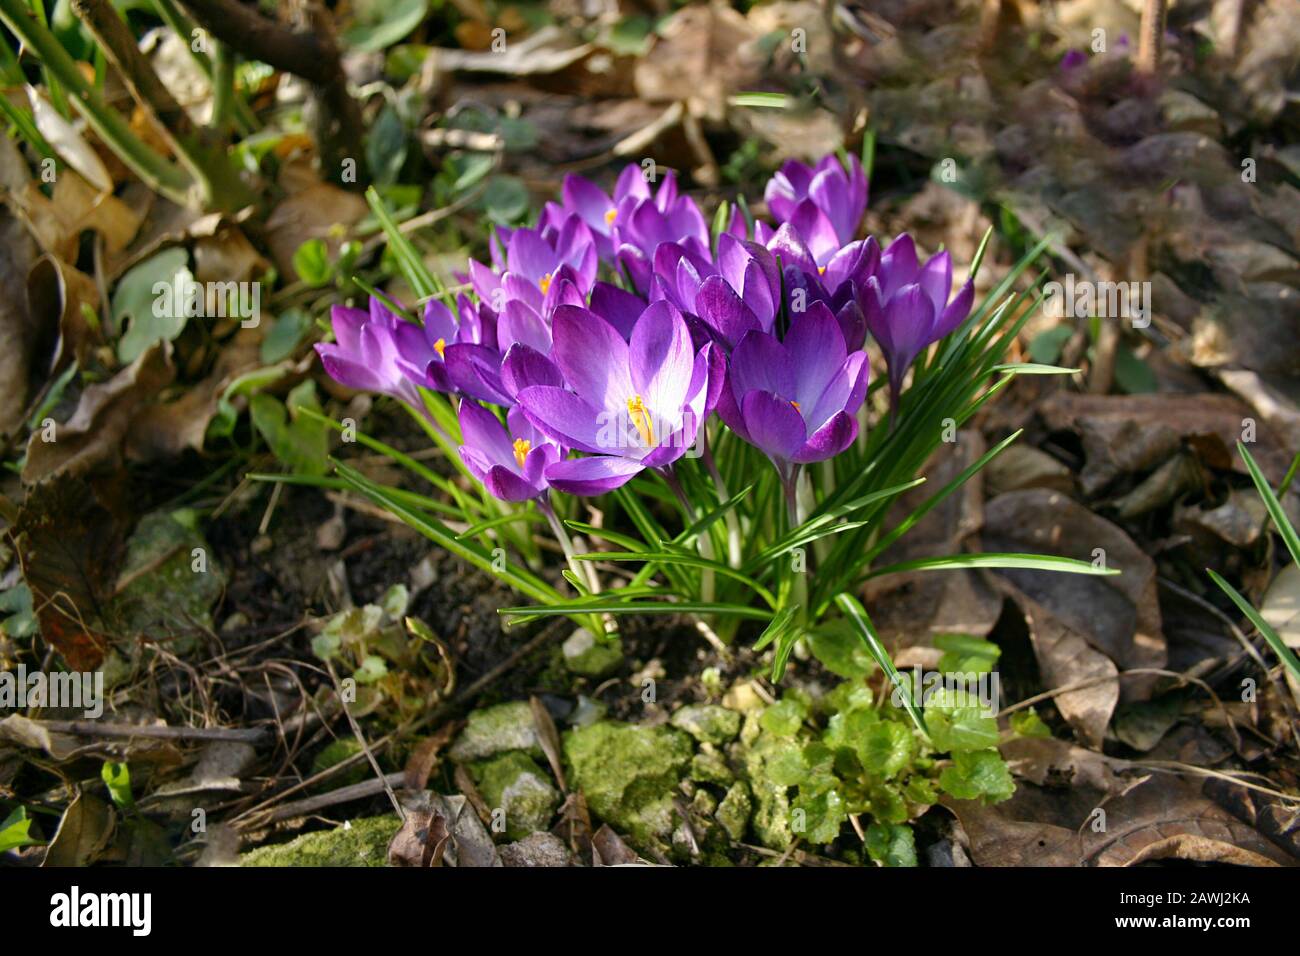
x=725, y=312
x=661, y=361
x=853, y=324
x=592, y=476
x=508, y=485
x=898, y=265
x=520, y=324
x=956, y=311
x=588, y=200
x=566, y=418
x=775, y=426
x=524, y=367
x=631, y=183
x=816, y=230
x=829, y=440
x=815, y=349
x=616, y=306
x=346, y=372
x=440, y=323
x=936, y=280
x=481, y=430
x=528, y=255
x=789, y=247
x=911, y=320
x=845, y=392
x=592, y=357
x=637, y=264
x=761, y=363
x=486, y=284
x=476, y=371
x=347, y=324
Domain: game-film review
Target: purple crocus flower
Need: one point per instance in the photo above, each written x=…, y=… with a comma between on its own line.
x=511, y=464
x=364, y=354
x=839, y=195
x=907, y=308
x=629, y=405
x=534, y=258
x=838, y=283
x=744, y=293
x=644, y=224
x=422, y=350
x=584, y=199
x=796, y=400
x=677, y=274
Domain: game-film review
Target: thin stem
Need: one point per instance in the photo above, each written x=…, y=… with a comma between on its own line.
x=735, y=555
x=796, y=515
x=581, y=569
x=704, y=543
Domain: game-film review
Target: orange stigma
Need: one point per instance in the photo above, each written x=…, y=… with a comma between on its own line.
x=522, y=447
x=440, y=347
x=794, y=405
x=544, y=283
x=610, y=215
x=641, y=419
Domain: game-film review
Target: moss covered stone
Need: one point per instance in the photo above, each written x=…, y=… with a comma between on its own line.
x=764, y=758
x=734, y=811
x=363, y=842
x=709, y=766
x=587, y=656
x=708, y=723
x=495, y=730
x=517, y=785
x=629, y=774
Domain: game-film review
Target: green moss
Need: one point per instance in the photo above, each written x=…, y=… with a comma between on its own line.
x=708, y=723
x=629, y=774
x=588, y=656
x=495, y=730
x=766, y=760
x=362, y=843
x=517, y=785
x=709, y=766
x=335, y=752
x=734, y=811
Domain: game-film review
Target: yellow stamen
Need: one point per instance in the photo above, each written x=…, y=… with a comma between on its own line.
x=795, y=405
x=522, y=447
x=544, y=283
x=641, y=419
x=440, y=347
x=610, y=215
x=821, y=270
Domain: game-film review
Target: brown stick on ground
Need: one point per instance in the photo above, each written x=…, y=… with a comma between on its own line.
x=311, y=53
x=90, y=728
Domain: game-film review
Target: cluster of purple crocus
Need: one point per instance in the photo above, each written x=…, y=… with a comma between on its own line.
x=598, y=344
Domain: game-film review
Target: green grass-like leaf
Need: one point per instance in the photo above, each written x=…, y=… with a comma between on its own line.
x=866, y=631
x=1284, y=527
x=1032, y=562
x=1284, y=653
